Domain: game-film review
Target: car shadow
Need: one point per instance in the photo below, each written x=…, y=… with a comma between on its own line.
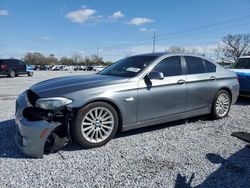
x=233, y=171
x=8, y=147
x=243, y=101
x=162, y=126
x=3, y=76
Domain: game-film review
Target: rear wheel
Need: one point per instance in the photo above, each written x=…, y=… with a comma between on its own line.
x=221, y=105
x=30, y=74
x=12, y=74
x=95, y=124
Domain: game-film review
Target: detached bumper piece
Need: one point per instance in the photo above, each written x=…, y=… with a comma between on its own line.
x=39, y=131
x=242, y=136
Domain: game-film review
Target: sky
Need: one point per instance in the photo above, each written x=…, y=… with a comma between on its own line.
x=117, y=28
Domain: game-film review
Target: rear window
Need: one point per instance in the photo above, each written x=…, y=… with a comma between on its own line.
x=195, y=65
x=210, y=67
x=242, y=63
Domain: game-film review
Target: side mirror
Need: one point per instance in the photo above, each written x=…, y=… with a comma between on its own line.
x=155, y=75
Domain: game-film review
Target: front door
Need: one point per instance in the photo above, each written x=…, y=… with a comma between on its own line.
x=160, y=98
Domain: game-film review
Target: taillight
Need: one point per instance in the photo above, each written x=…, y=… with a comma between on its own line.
x=238, y=78
x=4, y=66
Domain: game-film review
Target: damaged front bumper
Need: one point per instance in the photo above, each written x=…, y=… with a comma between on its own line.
x=32, y=135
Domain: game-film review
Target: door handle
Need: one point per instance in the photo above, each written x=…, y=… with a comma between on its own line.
x=181, y=82
x=212, y=78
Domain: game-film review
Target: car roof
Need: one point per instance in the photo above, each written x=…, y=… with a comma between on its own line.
x=160, y=54
x=9, y=59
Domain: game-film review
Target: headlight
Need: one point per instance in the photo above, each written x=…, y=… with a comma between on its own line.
x=52, y=103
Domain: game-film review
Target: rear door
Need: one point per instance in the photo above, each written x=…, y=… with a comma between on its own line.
x=201, y=82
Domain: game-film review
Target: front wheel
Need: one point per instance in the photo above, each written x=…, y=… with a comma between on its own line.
x=95, y=124
x=221, y=105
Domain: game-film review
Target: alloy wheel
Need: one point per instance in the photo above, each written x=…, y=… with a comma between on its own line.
x=97, y=124
x=222, y=104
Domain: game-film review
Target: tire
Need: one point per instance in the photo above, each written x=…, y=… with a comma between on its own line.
x=221, y=105
x=12, y=74
x=30, y=74
x=88, y=133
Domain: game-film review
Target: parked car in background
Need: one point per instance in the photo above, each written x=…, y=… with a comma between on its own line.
x=134, y=92
x=242, y=68
x=14, y=67
x=98, y=68
x=90, y=68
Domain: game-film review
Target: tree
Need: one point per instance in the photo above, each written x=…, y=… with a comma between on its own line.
x=34, y=58
x=51, y=60
x=235, y=46
x=77, y=58
x=66, y=61
x=96, y=59
x=178, y=49
x=218, y=53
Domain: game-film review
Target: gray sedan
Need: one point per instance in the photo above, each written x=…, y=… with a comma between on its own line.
x=137, y=91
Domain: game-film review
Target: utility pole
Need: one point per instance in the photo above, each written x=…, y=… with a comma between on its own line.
x=154, y=43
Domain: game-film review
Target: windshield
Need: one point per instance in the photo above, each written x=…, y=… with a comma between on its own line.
x=243, y=63
x=128, y=67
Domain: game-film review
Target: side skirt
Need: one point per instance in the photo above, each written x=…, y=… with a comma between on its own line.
x=167, y=119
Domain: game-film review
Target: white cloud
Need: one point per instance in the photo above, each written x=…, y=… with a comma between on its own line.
x=4, y=13
x=81, y=16
x=140, y=21
x=147, y=30
x=116, y=15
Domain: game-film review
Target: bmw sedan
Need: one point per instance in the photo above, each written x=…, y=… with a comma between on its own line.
x=137, y=91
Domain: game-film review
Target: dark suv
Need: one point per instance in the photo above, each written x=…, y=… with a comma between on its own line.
x=13, y=67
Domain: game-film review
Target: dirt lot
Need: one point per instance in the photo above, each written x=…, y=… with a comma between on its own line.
x=197, y=152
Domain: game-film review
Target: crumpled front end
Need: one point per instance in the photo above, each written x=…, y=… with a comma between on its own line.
x=38, y=131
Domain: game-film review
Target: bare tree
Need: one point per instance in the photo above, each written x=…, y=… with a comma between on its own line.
x=236, y=46
x=34, y=58
x=178, y=49
x=51, y=60
x=218, y=53
x=77, y=58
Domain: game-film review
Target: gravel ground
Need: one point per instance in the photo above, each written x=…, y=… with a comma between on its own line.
x=197, y=152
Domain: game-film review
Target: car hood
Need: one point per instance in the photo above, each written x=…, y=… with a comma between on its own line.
x=63, y=85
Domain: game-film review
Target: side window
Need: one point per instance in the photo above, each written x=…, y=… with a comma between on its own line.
x=195, y=65
x=21, y=63
x=170, y=66
x=12, y=62
x=210, y=67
